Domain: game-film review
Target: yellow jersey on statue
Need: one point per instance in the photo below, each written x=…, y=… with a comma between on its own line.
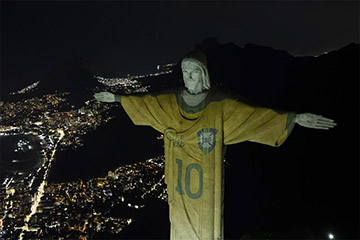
x=194, y=145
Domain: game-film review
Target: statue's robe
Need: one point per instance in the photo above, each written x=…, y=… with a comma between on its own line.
x=194, y=141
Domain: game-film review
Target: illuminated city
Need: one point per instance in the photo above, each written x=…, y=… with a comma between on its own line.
x=33, y=208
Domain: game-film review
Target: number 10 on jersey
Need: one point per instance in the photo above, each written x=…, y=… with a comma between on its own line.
x=189, y=168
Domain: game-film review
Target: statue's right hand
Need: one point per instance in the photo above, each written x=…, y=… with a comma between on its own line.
x=105, y=97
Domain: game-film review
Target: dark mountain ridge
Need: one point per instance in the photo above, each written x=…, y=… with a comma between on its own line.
x=263, y=75
x=272, y=77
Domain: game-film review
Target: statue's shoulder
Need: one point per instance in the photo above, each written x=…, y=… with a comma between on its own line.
x=169, y=91
x=219, y=94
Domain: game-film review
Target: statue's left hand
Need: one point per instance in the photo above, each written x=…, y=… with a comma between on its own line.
x=105, y=97
x=311, y=120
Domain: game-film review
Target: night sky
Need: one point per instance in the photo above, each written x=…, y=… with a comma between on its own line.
x=133, y=37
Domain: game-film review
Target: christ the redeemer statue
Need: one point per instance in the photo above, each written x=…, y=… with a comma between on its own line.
x=198, y=122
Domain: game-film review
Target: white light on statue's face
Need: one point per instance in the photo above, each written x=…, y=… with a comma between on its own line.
x=331, y=236
x=193, y=78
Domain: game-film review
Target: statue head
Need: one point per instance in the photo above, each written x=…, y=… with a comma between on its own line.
x=195, y=73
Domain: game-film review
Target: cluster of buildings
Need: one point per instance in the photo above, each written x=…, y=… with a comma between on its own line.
x=132, y=80
x=130, y=83
x=83, y=209
x=127, y=85
x=32, y=208
x=123, y=82
x=43, y=117
x=17, y=200
x=28, y=111
x=26, y=89
x=161, y=70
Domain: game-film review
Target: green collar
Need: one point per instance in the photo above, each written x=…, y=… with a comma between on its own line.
x=193, y=109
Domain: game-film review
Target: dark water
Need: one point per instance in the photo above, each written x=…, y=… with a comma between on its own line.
x=26, y=160
x=115, y=143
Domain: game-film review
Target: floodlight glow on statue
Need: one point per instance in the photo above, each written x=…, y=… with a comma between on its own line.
x=198, y=122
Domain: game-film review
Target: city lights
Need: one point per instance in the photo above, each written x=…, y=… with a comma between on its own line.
x=33, y=208
x=26, y=89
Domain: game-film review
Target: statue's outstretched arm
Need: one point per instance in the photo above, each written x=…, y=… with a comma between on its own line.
x=107, y=97
x=315, y=121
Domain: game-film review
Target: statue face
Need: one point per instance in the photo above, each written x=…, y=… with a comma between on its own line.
x=193, y=77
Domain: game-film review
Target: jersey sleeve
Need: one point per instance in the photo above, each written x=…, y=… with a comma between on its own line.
x=146, y=110
x=243, y=122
